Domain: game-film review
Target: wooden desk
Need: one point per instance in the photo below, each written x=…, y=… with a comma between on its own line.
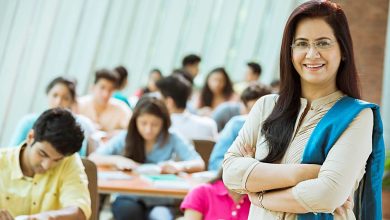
x=139, y=186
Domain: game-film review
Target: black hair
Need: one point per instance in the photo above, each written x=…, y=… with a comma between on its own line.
x=207, y=96
x=191, y=59
x=278, y=128
x=107, y=75
x=255, y=67
x=122, y=74
x=185, y=74
x=176, y=87
x=58, y=127
x=254, y=92
x=135, y=143
x=69, y=83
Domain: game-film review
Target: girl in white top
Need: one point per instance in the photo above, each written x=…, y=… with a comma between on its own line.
x=316, y=69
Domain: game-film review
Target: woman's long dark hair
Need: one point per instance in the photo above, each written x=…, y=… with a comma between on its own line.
x=207, y=96
x=135, y=143
x=278, y=128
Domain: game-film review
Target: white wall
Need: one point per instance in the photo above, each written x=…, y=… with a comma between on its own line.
x=41, y=39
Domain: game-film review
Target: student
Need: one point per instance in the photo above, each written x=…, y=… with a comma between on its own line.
x=175, y=90
x=190, y=64
x=61, y=92
x=217, y=90
x=147, y=140
x=44, y=178
x=154, y=76
x=213, y=200
x=108, y=114
x=252, y=75
x=227, y=136
x=318, y=78
x=122, y=74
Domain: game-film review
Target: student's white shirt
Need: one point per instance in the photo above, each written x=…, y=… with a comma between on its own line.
x=194, y=127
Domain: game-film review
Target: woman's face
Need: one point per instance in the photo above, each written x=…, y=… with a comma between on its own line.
x=60, y=96
x=216, y=82
x=316, y=65
x=149, y=126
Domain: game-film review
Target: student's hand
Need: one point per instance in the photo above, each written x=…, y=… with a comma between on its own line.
x=170, y=167
x=247, y=151
x=347, y=205
x=123, y=163
x=5, y=215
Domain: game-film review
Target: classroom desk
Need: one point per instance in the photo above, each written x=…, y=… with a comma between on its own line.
x=138, y=185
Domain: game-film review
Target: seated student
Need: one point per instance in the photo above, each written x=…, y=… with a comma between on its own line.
x=213, y=200
x=249, y=97
x=175, y=90
x=154, y=76
x=61, y=92
x=108, y=114
x=43, y=178
x=216, y=90
x=147, y=140
x=252, y=75
x=190, y=64
x=122, y=74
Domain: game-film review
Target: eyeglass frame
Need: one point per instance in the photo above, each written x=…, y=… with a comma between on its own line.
x=313, y=44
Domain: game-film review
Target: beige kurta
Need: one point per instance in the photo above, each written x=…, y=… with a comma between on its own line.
x=339, y=175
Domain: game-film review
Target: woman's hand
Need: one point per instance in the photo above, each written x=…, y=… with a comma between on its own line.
x=247, y=151
x=347, y=205
x=123, y=163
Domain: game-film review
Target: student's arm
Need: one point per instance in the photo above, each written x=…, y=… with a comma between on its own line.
x=190, y=160
x=111, y=154
x=69, y=213
x=73, y=192
x=226, y=139
x=190, y=214
x=246, y=174
x=5, y=215
x=196, y=203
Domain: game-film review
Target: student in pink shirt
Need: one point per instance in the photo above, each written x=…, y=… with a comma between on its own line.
x=213, y=201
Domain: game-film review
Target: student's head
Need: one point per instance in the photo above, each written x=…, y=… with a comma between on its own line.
x=317, y=49
x=185, y=74
x=122, y=74
x=150, y=122
x=217, y=83
x=61, y=92
x=190, y=63
x=54, y=135
x=175, y=90
x=253, y=72
x=316, y=52
x=252, y=93
x=154, y=76
x=104, y=85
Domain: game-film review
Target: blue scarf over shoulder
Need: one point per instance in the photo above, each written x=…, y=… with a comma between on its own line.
x=368, y=199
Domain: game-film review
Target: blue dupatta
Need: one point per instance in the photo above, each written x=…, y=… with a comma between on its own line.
x=368, y=198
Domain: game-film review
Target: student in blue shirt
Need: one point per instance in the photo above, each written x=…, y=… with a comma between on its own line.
x=61, y=92
x=227, y=136
x=147, y=140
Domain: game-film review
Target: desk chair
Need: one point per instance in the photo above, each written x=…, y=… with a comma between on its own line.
x=91, y=171
x=204, y=148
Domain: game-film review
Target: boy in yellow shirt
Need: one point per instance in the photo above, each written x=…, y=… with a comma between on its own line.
x=44, y=178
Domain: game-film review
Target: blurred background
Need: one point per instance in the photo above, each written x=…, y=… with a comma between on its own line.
x=42, y=39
